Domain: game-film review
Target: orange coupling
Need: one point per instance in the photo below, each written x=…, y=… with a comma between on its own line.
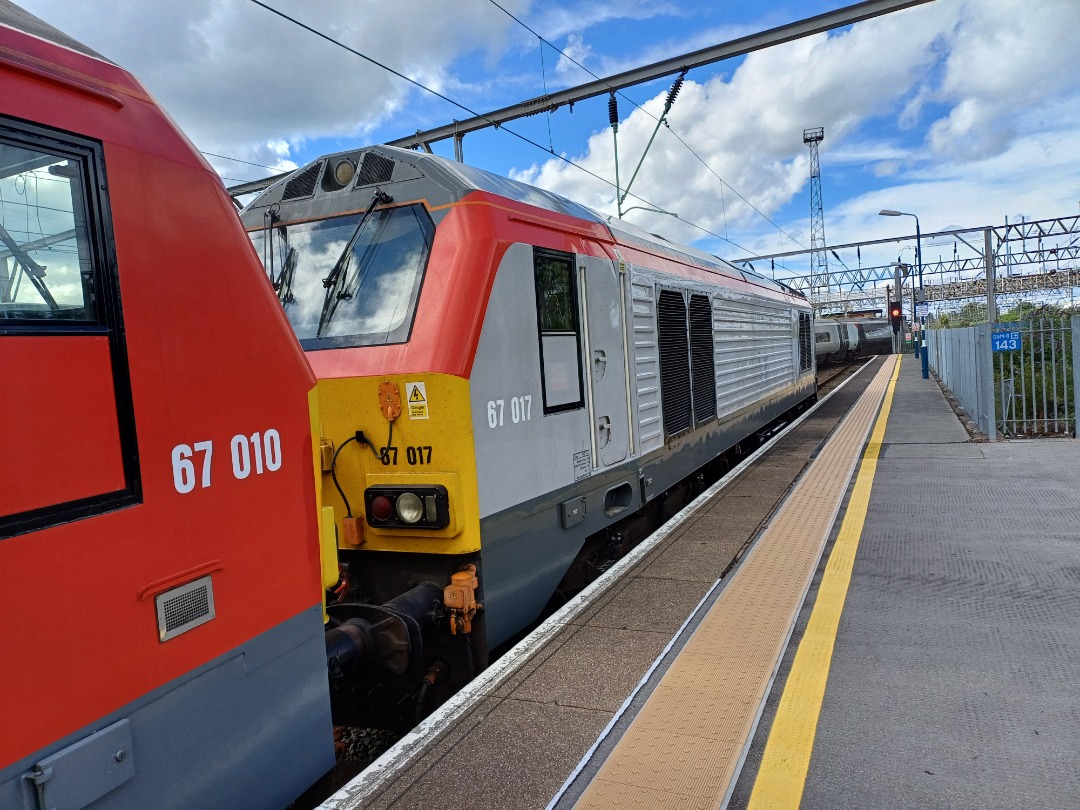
x=459, y=598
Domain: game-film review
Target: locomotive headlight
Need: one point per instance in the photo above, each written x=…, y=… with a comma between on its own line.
x=409, y=507
x=344, y=171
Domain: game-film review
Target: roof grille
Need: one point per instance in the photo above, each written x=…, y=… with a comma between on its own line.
x=701, y=358
x=303, y=184
x=375, y=169
x=674, y=362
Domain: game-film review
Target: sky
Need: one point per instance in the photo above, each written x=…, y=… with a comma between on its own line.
x=963, y=112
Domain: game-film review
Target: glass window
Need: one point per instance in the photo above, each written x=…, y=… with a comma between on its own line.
x=45, y=257
x=62, y=345
x=350, y=281
x=557, y=317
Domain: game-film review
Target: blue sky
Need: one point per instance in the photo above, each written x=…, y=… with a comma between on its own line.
x=962, y=111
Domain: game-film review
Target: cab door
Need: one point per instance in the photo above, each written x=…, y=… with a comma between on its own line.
x=604, y=308
x=67, y=434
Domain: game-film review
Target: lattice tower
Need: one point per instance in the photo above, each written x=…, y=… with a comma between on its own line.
x=819, y=261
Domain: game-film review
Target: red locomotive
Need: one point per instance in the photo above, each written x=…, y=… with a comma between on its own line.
x=159, y=562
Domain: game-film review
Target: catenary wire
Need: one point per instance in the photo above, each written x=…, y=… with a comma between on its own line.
x=245, y=162
x=475, y=114
x=638, y=106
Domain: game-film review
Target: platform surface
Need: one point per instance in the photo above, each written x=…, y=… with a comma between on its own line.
x=950, y=676
x=955, y=677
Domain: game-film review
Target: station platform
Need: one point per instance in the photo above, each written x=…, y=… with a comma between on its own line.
x=876, y=612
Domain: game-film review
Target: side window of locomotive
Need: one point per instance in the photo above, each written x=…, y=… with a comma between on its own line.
x=350, y=281
x=62, y=350
x=45, y=263
x=560, y=330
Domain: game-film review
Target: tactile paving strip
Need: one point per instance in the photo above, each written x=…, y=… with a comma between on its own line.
x=684, y=747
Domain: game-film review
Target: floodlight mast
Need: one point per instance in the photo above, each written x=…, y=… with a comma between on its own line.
x=819, y=259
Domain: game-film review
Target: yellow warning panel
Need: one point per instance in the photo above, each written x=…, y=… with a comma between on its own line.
x=416, y=395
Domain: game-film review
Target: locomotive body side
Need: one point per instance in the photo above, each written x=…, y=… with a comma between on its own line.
x=504, y=387
x=563, y=460
x=165, y=575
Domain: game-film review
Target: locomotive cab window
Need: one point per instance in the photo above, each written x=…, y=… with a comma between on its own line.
x=67, y=443
x=45, y=269
x=352, y=280
x=560, y=330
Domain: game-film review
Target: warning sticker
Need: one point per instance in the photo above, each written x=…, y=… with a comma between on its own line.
x=582, y=465
x=416, y=396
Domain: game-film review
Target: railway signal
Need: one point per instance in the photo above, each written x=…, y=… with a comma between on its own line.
x=896, y=316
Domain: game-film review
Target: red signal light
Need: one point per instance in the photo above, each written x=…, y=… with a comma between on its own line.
x=381, y=507
x=896, y=315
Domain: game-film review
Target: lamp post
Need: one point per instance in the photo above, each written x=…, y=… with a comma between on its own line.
x=918, y=260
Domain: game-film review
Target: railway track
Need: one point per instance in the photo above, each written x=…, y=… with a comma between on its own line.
x=831, y=376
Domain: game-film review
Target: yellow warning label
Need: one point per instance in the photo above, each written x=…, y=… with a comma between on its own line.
x=416, y=394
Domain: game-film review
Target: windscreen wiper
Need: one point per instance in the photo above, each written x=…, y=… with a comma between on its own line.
x=288, y=272
x=34, y=271
x=336, y=279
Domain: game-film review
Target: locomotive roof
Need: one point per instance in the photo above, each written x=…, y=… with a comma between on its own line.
x=455, y=180
x=19, y=18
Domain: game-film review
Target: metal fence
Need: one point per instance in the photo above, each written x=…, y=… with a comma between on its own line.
x=961, y=358
x=1034, y=382
x=1019, y=377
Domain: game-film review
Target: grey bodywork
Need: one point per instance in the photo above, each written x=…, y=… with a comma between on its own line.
x=270, y=738
x=548, y=481
x=527, y=470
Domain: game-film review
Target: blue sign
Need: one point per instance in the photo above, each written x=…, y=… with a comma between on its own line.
x=1005, y=341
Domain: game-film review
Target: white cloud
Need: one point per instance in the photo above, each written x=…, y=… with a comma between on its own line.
x=233, y=73
x=886, y=168
x=574, y=53
x=749, y=129
x=955, y=74
x=554, y=21
x=970, y=107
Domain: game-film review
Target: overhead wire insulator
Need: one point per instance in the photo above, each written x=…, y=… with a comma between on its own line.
x=676, y=86
x=613, y=110
x=673, y=93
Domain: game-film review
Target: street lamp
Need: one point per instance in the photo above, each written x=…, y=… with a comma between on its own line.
x=918, y=260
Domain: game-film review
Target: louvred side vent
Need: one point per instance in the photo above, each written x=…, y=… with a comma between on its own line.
x=701, y=358
x=375, y=169
x=674, y=363
x=303, y=185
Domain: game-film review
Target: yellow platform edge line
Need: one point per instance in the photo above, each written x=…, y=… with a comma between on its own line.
x=782, y=776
